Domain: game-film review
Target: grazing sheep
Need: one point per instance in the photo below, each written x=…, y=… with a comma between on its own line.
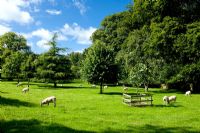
x=166, y=99
x=188, y=93
x=105, y=87
x=51, y=99
x=169, y=99
x=172, y=98
x=19, y=84
x=125, y=89
x=25, y=90
x=93, y=86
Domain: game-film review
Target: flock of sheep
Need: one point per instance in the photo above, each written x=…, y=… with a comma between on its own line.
x=51, y=99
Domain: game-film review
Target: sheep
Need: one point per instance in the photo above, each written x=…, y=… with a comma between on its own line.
x=105, y=87
x=125, y=89
x=93, y=86
x=188, y=93
x=172, y=98
x=49, y=100
x=166, y=99
x=19, y=84
x=25, y=90
x=169, y=99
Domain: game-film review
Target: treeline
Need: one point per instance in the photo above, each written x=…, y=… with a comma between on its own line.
x=153, y=42
x=17, y=61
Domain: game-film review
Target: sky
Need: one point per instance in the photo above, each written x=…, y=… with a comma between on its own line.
x=73, y=20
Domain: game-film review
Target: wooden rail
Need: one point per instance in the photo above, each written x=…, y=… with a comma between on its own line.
x=138, y=99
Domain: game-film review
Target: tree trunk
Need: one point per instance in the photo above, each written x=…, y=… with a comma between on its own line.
x=28, y=82
x=101, y=88
x=55, y=84
x=18, y=79
x=146, y=87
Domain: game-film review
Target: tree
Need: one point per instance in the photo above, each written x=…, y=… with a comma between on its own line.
x=99, y=66
x=10, y=43
x=76, y=60
x=11, y=67
x=52, y=66
x=28, y=67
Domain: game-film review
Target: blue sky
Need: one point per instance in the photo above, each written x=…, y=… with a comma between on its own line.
x=73, y=20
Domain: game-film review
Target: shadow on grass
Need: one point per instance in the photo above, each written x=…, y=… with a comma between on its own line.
x=167, y=106
x=154, y=129
x=166, y=91
x=4, y=92
x=14, y=102
x=46, y=86
x=113, y=93
x=34, y=126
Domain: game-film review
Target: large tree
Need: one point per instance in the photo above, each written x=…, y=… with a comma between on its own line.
x=11, y=67
x=99, y=66
x=52, y=65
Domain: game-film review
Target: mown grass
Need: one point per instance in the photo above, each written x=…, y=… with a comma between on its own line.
x=83, y=109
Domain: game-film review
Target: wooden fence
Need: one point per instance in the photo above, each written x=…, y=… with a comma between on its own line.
x=137, y=99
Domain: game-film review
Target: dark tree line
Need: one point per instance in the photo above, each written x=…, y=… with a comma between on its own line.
x=153, y=42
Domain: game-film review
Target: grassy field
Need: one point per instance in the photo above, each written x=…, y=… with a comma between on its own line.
x=82, y=109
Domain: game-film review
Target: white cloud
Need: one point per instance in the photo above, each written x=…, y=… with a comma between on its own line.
x=80, y=5
x=11, y=10
x=53, y=12
x=4, y=29
x=42, y=33
x=81, y=35
x=69, y=32
x=43, y=44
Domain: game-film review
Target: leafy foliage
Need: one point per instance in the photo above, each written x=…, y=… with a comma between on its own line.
x=53, y=67
x=99, y=66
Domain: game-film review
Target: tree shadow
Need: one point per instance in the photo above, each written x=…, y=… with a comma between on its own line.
x=35, y=126
x=46, y=86
x=153, y=129
x=14, y=102
x=113, y=93
x=166, y=91
x=166, y=106
x=3, y=92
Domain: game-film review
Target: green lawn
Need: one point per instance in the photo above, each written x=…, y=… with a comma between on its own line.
x=82, y=109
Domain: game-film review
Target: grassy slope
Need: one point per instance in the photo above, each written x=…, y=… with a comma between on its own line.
x=84, y=110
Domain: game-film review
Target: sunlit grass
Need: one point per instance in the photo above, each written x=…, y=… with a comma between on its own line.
x=83, y=109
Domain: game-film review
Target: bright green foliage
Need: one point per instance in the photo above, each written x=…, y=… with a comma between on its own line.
x=11, y=67
x=52, y=66
x=161, y=36
x=9, y=43
x=28, y=69
x=99, y=66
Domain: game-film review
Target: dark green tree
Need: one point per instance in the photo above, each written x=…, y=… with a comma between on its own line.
x=52, y=66
x=11, y=67
x=99, y=66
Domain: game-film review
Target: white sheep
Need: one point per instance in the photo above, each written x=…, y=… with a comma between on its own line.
x=105, y=87
x=19, y=84
x=125, y=89
x=188, y=93
x=168, y=99
x=93, y=86
x=51, y=99
x=25, y=90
